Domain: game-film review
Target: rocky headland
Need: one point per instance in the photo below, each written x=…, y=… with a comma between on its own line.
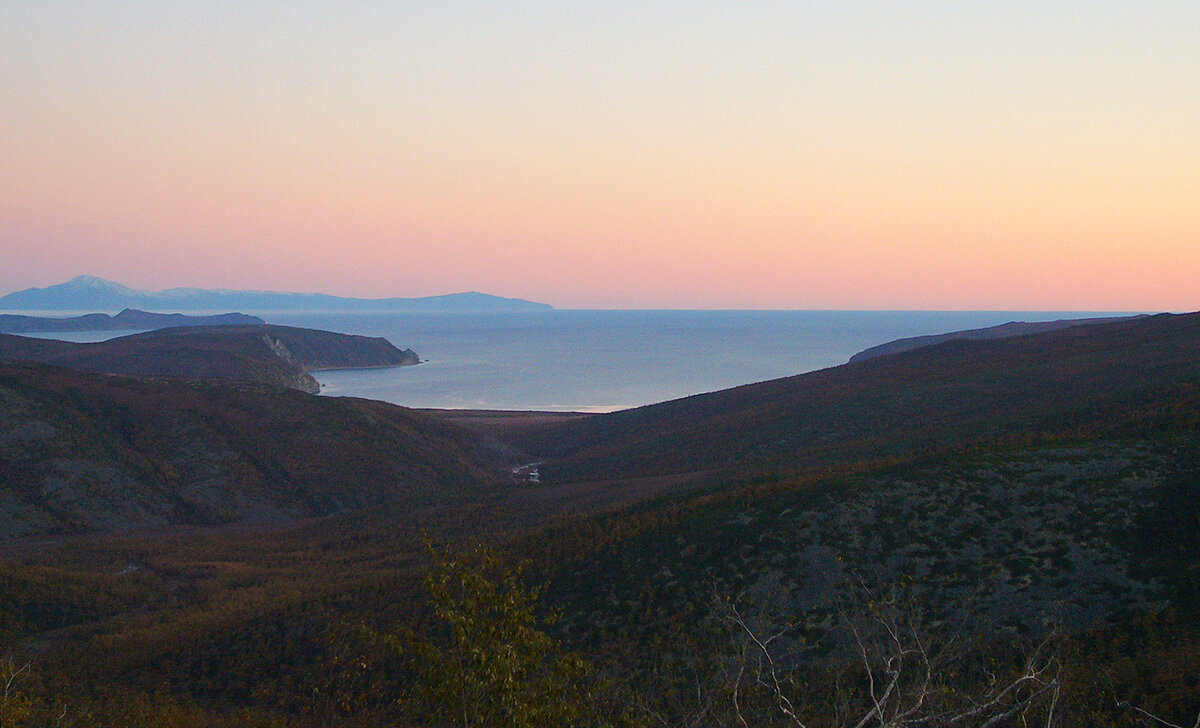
x=268, y=354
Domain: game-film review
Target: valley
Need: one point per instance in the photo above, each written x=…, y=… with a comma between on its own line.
x=216, y=553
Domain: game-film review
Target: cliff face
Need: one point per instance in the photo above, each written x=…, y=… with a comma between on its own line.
x=86, y=452
x=313, y=349
x=278, y=355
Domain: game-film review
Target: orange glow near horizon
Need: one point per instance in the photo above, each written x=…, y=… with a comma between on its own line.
x=614, y=157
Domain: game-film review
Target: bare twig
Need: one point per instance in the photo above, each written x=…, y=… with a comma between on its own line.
x=902, y=677
x=1147, y=714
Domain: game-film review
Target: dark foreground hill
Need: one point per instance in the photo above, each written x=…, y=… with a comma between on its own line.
x=1104, y=378
x=88, y=452
x=129, y=319
x=279, y=355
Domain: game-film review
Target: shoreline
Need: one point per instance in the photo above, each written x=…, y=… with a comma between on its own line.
x=498, y=423
x=365, y=366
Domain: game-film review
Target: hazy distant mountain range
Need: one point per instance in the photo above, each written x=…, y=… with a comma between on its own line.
x=88, y=293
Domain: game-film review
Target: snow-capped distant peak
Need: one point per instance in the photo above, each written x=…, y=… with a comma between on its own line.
x=97, y=283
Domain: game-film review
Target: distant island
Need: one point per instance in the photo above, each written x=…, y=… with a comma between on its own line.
x=265, y=354
x=88, y=293
x=1002, y=331
x=130, y=319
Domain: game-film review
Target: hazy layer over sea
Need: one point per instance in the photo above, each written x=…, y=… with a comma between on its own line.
x=599, y=361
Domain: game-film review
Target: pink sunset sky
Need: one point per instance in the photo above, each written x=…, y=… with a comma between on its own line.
x=972, y=155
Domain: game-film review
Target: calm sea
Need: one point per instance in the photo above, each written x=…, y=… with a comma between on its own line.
x=599, y=361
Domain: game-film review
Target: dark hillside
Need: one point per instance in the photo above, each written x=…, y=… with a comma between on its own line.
x=991, y=493
x=1105, y=378
x=1003, y=331
x=279, y=355
x=307, y=348
x=85, y=452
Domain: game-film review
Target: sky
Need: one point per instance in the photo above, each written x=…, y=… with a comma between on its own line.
x=781, y=155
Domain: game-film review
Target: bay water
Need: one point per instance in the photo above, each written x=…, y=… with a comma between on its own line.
x=601, y=361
